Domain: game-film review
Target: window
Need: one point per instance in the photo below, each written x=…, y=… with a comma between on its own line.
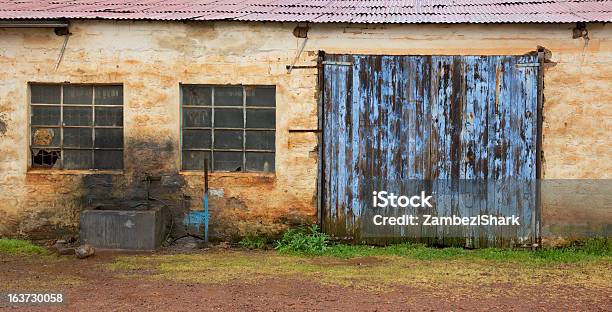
x=232, y=126
x=76, y=126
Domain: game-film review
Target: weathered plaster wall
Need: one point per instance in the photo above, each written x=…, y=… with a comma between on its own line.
x=151, y=58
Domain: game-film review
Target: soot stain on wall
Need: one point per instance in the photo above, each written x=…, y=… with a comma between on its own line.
x=148, y=181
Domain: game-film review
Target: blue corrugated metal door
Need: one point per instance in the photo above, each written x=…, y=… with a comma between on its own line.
x=463, y=128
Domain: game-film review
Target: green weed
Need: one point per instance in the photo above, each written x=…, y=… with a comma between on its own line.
x=302, y=240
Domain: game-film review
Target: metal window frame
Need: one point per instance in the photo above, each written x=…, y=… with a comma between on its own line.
x=212, y=127
x=61, y=148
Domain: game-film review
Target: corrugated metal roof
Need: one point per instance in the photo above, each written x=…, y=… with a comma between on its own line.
x=318, y=11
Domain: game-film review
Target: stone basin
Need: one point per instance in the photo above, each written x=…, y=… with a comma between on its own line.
x=141, y=228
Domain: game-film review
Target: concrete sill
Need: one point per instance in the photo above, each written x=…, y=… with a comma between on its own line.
x=73, y=172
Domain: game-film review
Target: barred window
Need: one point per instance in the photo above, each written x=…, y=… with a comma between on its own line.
x=76, y=126
x=232, y=126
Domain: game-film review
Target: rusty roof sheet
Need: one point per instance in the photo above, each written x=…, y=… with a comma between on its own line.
x=317, y=11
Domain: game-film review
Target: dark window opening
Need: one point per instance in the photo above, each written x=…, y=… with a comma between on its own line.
x=76, y=126
x=234, y=127
x=45, y=159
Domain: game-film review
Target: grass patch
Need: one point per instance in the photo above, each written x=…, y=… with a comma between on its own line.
x=209, y=268
x=253, y=242
x=591, y=250
x=41, y=282
x=20, y=247
x=310, y=242
x=378, y=273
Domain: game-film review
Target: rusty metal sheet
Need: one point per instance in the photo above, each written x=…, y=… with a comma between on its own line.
x=463, y=128
x=317, y=11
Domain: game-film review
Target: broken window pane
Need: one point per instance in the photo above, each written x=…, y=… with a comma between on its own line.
x=108, y=138
x=77, y=137
x=196, y=117
x=228, y=96
x=44, y=158
x=77, y=116
x=194, y=160
x=260, y=162
x=228, y=161
x=229, y=139
x=196, y=139
x=45, y=115
x=77, y=159
x=63, y=136
x=45, y=94
x=261, y=118
x=229, y=118
x=46, y=137
x=78, y=94
x=109, y=116
x=108, y=159
x=109, y=95
x=261, y=96
x=197, y=95
x=260, y=140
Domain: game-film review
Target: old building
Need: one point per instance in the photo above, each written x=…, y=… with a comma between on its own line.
x=102, y=103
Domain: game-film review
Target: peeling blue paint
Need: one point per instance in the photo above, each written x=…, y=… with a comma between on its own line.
x=431, y=120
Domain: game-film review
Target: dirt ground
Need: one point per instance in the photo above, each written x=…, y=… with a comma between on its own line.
x=230, y=280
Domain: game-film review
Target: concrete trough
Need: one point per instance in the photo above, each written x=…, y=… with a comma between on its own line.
x=143, y=229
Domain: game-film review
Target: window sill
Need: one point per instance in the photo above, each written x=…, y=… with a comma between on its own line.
x=229, y=174
x=73, y=172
